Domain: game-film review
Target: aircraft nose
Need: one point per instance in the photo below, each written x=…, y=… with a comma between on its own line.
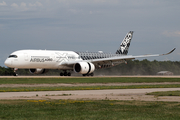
x=7, y=62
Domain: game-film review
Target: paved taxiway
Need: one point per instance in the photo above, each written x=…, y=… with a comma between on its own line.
x=116, y=94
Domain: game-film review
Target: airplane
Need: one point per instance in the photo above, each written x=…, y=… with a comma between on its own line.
x=85, y=63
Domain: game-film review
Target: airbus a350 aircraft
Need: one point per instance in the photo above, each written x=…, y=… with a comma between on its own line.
x=40, y=61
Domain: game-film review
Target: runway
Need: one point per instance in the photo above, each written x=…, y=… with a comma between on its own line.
x=115, y=94
x=139, y=76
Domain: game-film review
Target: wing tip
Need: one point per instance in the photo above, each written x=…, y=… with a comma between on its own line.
x=169, y=52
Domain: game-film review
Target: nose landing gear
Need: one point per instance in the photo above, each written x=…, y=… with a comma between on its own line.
x=15, y=74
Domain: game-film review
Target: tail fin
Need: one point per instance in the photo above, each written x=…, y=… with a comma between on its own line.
x=124, y=47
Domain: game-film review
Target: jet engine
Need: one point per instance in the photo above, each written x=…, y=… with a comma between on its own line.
x=38, y=71
x=84, y=67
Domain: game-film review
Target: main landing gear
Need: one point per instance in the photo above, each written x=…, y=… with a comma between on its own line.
x=91, y=74
x=65, y=73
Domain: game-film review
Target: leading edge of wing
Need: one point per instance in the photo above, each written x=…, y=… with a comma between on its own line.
x=117, y=58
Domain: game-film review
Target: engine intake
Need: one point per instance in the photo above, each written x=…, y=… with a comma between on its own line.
x=84, y=67
x=38, y=71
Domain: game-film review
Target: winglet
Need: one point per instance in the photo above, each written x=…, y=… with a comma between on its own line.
x=168, y=52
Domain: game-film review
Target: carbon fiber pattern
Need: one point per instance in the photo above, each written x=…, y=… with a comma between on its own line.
x=124, y=47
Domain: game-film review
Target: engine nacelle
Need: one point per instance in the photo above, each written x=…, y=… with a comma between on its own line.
x=38, y=71
x=84, y=67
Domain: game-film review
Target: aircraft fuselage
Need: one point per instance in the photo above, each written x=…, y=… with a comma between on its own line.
x=46, y=59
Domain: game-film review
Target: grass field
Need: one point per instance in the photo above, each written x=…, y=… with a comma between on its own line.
x=84, y=80
x=166, y=93
x=27, y=89
x=88, y=110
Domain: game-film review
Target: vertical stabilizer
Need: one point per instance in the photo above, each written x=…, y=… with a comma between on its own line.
x=124, y=47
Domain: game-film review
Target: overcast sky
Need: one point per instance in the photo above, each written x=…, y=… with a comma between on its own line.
x=90, y=25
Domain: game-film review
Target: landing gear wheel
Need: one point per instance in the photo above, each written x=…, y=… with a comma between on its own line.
x=61, y=74
x=65, y=73
x=91, y=74
x=69, y=74
x=14, y=74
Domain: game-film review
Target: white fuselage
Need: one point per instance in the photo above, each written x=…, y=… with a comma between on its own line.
x=40, y=59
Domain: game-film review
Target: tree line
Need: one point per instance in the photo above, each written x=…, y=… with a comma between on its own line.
x=133, y=67
x=144, y=67
x=5, y=71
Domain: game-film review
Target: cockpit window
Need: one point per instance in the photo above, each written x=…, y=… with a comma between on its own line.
x=13, y=56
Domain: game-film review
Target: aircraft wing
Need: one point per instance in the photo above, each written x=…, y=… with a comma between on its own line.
x=128, y=57
x=117, y=58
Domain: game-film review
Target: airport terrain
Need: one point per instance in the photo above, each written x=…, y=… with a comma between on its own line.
x=112, y=97
x=92, y=90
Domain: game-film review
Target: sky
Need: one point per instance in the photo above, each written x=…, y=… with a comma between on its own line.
x=90, y=25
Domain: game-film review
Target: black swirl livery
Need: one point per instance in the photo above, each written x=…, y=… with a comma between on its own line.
x=124, y=47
